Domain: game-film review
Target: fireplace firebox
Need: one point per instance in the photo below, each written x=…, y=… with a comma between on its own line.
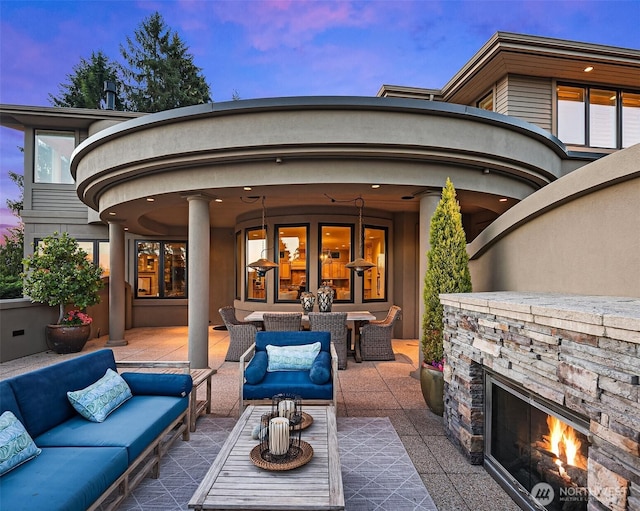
x=537, y=451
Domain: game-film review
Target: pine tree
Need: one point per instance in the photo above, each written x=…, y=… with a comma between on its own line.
x=85, y=88
x=161, y=73
x=12, y=247
x=447, y=269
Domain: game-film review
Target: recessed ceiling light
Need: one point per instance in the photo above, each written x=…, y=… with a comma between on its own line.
x=248, y=188
x=150, y=199
x=218, y=199
x=126, y=228
x=375, y=186
x=588, y=69
x=112, y=213
x=503, y=199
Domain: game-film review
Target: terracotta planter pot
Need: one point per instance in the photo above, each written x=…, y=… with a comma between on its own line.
x=67, y=339
x=432, y=385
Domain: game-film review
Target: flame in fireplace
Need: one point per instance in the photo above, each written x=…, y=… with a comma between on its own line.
x=564, y=443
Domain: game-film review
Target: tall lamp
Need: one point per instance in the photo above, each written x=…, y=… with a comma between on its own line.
x=360, y=265
x=263, y=265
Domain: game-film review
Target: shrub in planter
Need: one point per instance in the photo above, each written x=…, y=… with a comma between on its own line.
x=58, y=273
x=447, y=272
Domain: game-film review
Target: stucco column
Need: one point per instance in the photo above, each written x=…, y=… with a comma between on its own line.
x=116, y=285
x=198, y=280
x=428, y=203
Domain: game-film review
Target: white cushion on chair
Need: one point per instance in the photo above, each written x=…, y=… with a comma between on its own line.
x=292, y=358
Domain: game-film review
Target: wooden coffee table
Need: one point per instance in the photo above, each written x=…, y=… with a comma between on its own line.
x=234, y=482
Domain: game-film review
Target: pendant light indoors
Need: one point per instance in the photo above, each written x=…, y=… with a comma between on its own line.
x=263, y=265
x=360, y=265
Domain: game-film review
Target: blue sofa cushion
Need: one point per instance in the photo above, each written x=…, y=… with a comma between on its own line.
x=264, y=338
x=290, y=382
x=62, y=479
x=292, y=358
x=42, y=394
x=321, y=368
x=257, y=368
x=154, y=384
x=134, y=426
x=101, y=398
x=16, y=446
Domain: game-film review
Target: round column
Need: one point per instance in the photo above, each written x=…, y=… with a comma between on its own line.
x=198, y=280
x=116, y=285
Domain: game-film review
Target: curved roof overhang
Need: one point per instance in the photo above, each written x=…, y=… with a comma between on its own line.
x=298, y=151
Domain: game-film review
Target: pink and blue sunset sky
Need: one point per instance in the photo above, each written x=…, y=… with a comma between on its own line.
x=271, y=48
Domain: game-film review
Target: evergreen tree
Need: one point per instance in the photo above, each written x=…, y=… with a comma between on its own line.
x=12, y=248
x=161, y=73
x=85, y=88
x=447, y=269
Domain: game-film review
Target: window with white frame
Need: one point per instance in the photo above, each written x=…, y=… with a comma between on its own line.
x=52, y=162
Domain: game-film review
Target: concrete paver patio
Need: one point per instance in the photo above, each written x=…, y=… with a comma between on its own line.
x=369, y=389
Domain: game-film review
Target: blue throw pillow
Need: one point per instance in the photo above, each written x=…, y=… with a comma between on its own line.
x=16, y=445
x=257, y=368
x=321, y=369
x=101, y=398
x=292, y=358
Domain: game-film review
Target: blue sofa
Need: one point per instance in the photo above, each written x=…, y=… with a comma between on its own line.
x=317, y=385
x=83, y=464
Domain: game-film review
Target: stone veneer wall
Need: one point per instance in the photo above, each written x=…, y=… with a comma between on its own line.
x=581, y=352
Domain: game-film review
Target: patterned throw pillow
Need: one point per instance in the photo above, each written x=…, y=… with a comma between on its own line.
x=101, y=398
x=292, y=358
x=16, y=445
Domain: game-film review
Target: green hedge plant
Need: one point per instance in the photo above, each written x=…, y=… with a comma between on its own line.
x=447, y=271
x=58, y=273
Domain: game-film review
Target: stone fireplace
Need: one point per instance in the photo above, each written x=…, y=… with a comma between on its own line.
x=544, y=390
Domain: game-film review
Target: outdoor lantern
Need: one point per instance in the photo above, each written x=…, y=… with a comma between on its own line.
x=360, y=265
x=263, y=265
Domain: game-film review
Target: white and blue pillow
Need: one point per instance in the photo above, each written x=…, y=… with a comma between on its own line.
x=101, y=398
x=292, y=358
x=16, y=445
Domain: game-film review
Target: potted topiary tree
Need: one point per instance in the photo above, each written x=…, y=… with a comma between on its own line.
x=58, y=273
x=447, y=272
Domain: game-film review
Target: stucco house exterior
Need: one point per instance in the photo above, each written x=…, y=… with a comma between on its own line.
x=536, y=134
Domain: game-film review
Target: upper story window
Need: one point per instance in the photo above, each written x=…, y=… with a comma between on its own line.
x=486, y=103
x=598, y=117
x=53, y=156
x=293, y=272
x=161, y=269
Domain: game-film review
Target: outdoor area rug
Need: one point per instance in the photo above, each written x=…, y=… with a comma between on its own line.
x=377, y=473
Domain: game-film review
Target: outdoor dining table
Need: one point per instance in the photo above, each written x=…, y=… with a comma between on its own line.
x=358, y=318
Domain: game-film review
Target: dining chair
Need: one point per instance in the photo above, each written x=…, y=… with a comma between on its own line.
x=336, y=324
x=242, y=334
x=282, y=322
x=375, y=337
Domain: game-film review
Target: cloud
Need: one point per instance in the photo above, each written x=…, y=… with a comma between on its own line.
x=276, y=23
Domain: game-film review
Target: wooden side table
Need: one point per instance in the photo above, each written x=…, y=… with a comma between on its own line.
x=199, y=407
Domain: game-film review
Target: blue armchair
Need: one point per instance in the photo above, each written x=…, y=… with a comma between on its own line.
x=303, y=363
